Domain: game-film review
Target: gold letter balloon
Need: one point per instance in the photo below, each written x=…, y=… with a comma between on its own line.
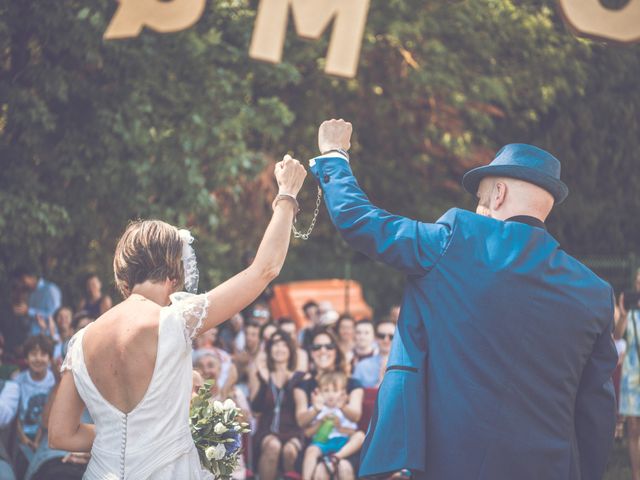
x=590, y=18
x=173, y=16
x=312, y=17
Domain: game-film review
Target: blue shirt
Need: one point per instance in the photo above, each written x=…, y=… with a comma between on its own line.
x=44, y=301
x=33, y=398
x=367, y=371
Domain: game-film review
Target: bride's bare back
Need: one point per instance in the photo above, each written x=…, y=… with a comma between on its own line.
x=120, y=350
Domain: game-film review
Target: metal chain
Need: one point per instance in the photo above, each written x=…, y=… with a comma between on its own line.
x=305, y=236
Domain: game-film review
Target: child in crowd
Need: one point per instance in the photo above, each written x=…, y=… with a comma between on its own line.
x=334, y=437
x=35, y=385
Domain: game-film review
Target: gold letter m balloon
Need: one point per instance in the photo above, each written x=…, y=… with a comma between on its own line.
x=311, y=18
x=133, y=15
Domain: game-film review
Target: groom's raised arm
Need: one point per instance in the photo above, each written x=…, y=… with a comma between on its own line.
x=408, y=245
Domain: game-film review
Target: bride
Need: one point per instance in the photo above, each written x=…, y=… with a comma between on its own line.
x=131, y=368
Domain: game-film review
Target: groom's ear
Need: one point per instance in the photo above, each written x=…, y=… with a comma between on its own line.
x=499, y=194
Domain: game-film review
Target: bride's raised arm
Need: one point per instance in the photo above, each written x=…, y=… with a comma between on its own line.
x=239, y=291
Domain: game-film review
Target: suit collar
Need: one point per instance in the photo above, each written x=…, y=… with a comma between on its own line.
x=526, y=219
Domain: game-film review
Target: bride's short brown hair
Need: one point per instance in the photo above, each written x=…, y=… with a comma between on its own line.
x=148, y=250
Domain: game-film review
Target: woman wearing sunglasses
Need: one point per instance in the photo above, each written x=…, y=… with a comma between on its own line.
x=327, y=357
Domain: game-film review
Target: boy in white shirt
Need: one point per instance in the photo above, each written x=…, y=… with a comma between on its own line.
x=334, y=436
x=35, y=385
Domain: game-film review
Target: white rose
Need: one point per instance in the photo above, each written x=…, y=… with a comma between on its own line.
x=220, y=452
x=210, y=452
x=218, y=407
x=220, y=428
x=229, y=404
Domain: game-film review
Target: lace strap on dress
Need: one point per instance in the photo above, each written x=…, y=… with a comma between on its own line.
x=192, y=310
x=71, y=358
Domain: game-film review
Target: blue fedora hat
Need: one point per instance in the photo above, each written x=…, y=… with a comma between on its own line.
x=524, y=162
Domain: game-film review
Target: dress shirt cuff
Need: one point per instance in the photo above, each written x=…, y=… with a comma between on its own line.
x=312, y=162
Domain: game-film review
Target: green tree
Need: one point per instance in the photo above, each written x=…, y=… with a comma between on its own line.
x=96, y=133
x=184, y=127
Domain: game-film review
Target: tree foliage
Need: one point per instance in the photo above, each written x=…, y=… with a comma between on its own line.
x=184, y=127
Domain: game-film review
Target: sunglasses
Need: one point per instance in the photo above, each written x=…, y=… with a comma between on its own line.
x=382, y=336
x=326, y=346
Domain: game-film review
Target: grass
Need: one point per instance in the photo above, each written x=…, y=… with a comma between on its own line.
x=618, y=468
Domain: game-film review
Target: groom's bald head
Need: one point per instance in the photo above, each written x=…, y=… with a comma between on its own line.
x=502, y=198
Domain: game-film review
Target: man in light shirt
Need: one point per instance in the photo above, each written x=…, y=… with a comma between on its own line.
x=45, y=298
x=365, y=341
x=370, y=370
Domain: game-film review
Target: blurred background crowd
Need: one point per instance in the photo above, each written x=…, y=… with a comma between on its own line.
x=307, y=387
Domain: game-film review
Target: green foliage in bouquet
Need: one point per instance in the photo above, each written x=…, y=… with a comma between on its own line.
x=216, y=428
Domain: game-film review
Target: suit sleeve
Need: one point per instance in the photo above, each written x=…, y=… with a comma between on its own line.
x=408, y=245
x=596, y=407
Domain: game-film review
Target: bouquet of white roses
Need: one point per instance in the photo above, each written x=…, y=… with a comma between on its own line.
x=216, y=430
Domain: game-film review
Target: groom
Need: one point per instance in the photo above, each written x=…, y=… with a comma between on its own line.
x=501, y=365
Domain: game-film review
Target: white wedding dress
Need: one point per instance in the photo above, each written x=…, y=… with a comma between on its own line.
x=153, y=441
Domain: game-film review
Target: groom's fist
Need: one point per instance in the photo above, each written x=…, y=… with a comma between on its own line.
x=334, y=135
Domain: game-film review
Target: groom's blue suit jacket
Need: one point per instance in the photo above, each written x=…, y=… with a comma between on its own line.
x=501, y=364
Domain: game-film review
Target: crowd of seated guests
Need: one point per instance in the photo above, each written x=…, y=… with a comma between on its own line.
x=35, y=330
x=301, y=389
x=305, y=387
x=308, y=402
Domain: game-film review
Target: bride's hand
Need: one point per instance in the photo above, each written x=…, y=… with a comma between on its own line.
x=290, y=175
